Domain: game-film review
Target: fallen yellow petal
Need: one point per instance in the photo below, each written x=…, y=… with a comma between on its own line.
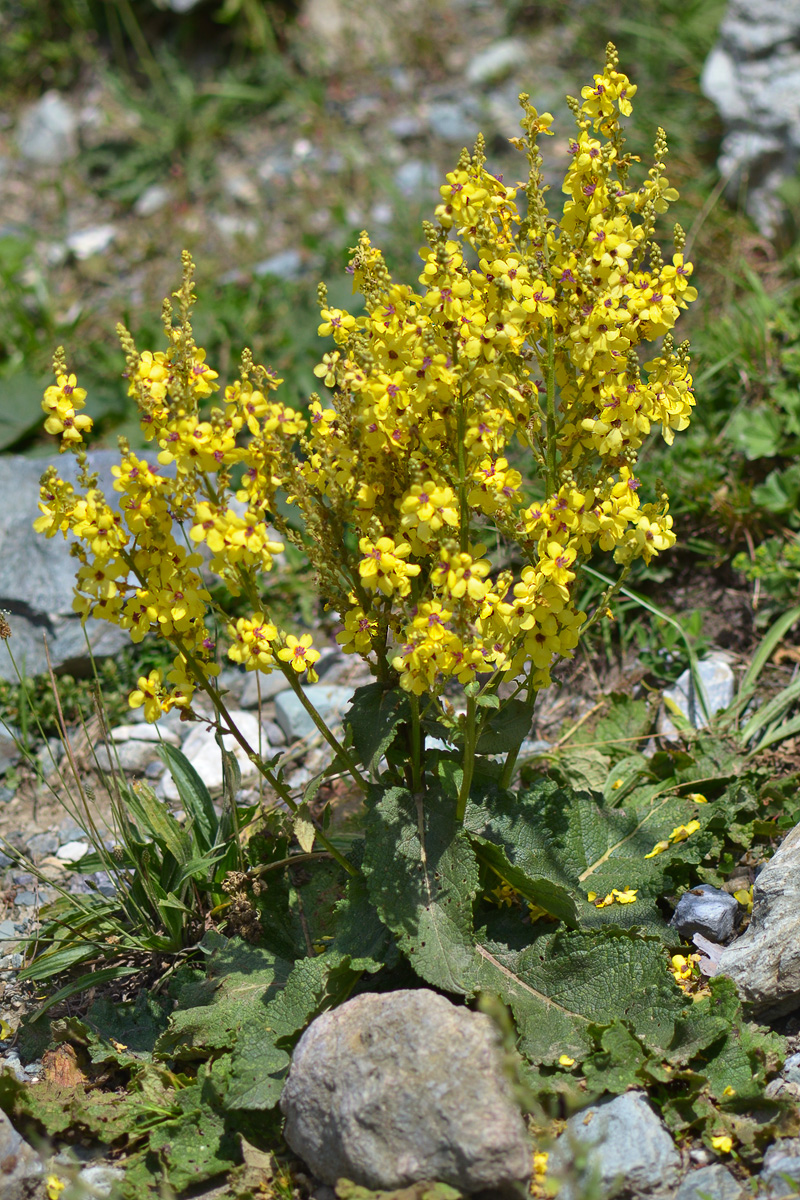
x=697, y=797
x=659, y=848
x=565, y=1061
x=722, y=1142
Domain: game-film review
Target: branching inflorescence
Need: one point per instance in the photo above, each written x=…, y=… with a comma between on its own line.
x=525, y=328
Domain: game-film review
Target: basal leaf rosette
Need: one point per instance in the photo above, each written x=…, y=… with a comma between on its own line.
x=502, y=399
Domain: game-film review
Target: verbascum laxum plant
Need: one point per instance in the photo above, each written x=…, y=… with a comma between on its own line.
x=526, y=327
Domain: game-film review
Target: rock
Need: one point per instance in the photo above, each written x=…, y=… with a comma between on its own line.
x=286, y=264
x=10, y=737
x=37, y=574
x=448, y=120
x=126, y=756
x=717, y=679
x=73, y=852
x=753, y=77
x=152, y=200
x=42, y=844
x=391, y=1089
x=791, y=1069
x=47, y=131
x=8, y=931
x=765, y=961
x=274, y=734
x=328, y=699
x=146, y=733
x=707, y=910
x=497, y=62
x=86, y=242
x=99, y=1180
x=203, y=753
x=781, y=1163
x=621, y=1144
x=269, y=685
x=415, y=178
x=710, y=1183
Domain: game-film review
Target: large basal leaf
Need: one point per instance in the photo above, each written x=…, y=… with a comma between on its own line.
x=261, y=1058
x=505, y=729
x=423, y=877
x=213, y=1013
x=566, y=982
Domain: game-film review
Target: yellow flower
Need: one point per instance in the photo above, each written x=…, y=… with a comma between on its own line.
x=697, y=798
x=148, y=692
x=298, y=653
x=540, y=1163
x=722, y=1142
x=564, y=1060
x=54, y=1187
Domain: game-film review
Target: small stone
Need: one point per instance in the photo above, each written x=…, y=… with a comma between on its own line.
x=73, y=851
x=152, y=200
x=10, y=741
x=391, y=1089
x=497, y=62
x=42, y=844
x=99, y=1180
x=416, y=178
x=273, y=733
x=710, y=1183
x=47, y=131
x=791, y=1069
x=718, y=682
x=155, y=769
x=146, y=733
x=329, y=700
x=286, y=264
x=127, y=756
x=707, y=910
x=8, y=931
x=764, y=962
x=86, y=242
x=203, y=753
x=781, y=1162
x=621, y=1144
x=448, y=121
x=269, y=685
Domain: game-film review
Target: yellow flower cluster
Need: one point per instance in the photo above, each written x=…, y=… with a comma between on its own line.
x=615, y=896
x=679, y=834
x=520, y=346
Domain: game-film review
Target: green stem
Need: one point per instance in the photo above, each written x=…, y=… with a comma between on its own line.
x=513, y=755
x=550, y=384
x=333, y=742
x=416, y=746
x=468, y=766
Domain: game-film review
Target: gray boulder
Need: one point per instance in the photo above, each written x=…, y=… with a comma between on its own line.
x=389, y=1090
x=619, y=1148
x=20, y=1165
x=753, y=77
x=707, y=910
x=330, y=700
x=710, y=1183
x=764, y=962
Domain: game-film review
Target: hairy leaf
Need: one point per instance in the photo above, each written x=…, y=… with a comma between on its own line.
x=373, y=718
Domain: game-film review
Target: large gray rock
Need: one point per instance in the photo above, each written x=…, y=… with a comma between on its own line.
x=764, y=962
x=710, y=1183
x=753, y=77
x=20, y=1165
x=392, y=1089
x=619, y=1148
x=707, y=910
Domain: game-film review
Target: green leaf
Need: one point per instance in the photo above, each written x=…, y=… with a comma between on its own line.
x=20, y=410
x=240, y=981
x=583, y=767
x=566, y=982
x=506, y=729
x=422, y=878
x=196, y=1145
x=615, y=1066
x=194, y=795
x=373, y=718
